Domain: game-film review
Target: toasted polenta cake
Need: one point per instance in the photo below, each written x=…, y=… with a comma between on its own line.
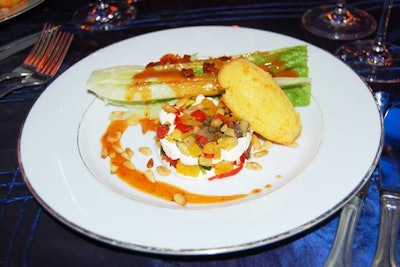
x=252, y=95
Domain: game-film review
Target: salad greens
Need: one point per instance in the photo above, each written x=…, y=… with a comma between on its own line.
x=117, y=85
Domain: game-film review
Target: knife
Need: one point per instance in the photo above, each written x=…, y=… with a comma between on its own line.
x=18, y=45
x=340, y=254
x=341, y=251
x=389, y=190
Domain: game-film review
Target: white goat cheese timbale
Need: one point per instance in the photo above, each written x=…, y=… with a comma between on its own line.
x=200, y=138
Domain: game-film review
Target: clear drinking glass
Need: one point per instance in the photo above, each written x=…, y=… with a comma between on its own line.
x=338, y=22
x=104, y=15
x=374, y=60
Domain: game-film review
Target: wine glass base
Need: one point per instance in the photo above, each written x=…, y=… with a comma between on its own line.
x=325, y=22
x=104, y=16
x=358, y=55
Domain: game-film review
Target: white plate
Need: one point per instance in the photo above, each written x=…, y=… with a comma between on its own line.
x=336, y=153
x=23, y=6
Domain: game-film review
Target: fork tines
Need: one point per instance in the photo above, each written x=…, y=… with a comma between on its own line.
x=55, y=53
x=40, y=46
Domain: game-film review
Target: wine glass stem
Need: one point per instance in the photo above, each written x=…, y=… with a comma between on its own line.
x=380, y=54
x=340, y=15
x=381, y=33
x=340, y=8
x=101, y=4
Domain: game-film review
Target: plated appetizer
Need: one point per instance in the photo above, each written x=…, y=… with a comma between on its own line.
x=209, y=116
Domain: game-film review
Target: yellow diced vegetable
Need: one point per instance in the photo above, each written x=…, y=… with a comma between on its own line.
x=212, y=148
x=174, y=135
x=188, y=170
x=223, y=167
x=195, y=150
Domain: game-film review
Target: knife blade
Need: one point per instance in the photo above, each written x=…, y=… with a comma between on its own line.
x=18, y=45
x=385, y=254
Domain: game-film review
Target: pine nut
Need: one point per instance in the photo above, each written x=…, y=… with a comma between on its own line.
x=181, y=102
x=150, y=176
x=112, y=154
x=114, y=136
x=180, y=199
x=169, y=108
x=266, y=145
x=117, y=115
x=251, y=165
x=255, y=142
x=104, y=152
x=150, y=163
x=145, y=150
x=114, y=168
x=129, y=152
x=260, y=153
x=117, y=149
x=129, y=165
x=163, y=171
x=125, y=155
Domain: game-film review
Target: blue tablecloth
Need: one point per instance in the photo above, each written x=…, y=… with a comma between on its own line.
x=29, y=236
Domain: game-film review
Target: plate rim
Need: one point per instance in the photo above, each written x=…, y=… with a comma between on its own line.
x=19, y=9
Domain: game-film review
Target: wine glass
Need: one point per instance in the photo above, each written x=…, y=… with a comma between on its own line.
x=374, y=60
x=338, y=22
x=104, y=15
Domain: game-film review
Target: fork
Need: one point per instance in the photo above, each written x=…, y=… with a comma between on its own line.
x=31, y=62
x=47, y=66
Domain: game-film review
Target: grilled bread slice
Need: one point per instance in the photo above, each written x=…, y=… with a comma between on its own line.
x=253, y=95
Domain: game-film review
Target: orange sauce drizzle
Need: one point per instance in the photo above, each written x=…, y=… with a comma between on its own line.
x=148, y=124
x=138, y=180
x=182, y=86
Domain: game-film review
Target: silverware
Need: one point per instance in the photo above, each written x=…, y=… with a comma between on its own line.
x=18, y=45
x=341, y=251
x=389, y=191
x=48, y=66
x=36, y=55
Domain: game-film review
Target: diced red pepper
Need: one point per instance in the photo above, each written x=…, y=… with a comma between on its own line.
x=173, y=162
x=227, y=174
x=225, y=58
x=209, y=67
x=174, y=59
x=187, y=73
x=201, y=140
x=162, y=131
x=219, y=116
x=233, y=172
x=180, y=126
x=229, y=122
x=183, y=128
x=199, y=115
